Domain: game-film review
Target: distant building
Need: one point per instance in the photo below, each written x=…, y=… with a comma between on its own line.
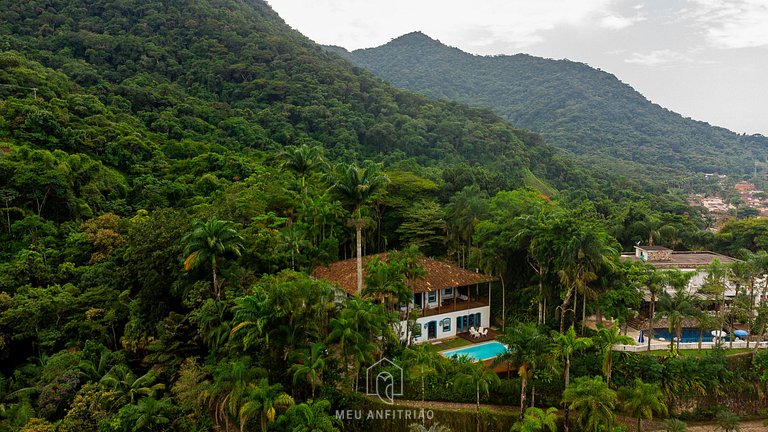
x=686, y=261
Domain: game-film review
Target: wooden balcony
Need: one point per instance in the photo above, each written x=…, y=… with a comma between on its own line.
x=449, y=305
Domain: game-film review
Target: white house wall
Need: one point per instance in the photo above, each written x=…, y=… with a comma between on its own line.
x=485, y=321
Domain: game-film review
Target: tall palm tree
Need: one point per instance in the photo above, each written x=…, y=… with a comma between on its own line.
x=526, y=346
x=477, y=376
x=208, y=243
x=655, y=286
x=642, y=401
x=715, y=284
x=676, y=308
x=605, y=339
x=302, y=160
x=356, y=186
x=309, y=365
x=585, y=253
x=421, y=357
x=537, y=420
x=594, y=401
x=463, y=212
x=565, y=344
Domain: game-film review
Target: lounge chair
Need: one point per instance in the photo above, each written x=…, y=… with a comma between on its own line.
x=473, y=332
x=462, y=297
x=484, y=332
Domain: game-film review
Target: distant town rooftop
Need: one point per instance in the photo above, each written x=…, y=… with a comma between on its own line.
x=439, y=274
x=664, y=258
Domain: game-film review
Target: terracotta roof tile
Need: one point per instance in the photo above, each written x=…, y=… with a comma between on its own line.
x=439, y=274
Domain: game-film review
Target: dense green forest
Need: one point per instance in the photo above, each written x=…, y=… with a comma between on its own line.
x=172, y=171
x=575, y=107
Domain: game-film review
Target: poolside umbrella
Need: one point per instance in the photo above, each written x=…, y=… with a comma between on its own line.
x=641, y=339
x=719, y=333
x=741, y=333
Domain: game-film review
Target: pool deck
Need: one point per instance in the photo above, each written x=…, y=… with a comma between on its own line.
x=490, y=336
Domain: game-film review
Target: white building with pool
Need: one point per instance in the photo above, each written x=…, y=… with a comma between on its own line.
x=449, y=299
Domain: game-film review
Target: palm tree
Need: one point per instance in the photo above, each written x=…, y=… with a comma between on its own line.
x=594, y=402
x=122, y=380
x=675, y=308
x=605, y=339
x=675, y=425
x=264, y=400
x=356, y=186
x=481, y=379
x=584, y=255
x=312, y=416
x=301, y=160
x=309, y=365
x=421, y=357
x=565, y=344
x=537, y=420
x=715, y=285
x=209, y=242
x=228, y=392
x=655, y=286
x=525, y=348
x=642, y=401
x=463, y=212
x=152, y=414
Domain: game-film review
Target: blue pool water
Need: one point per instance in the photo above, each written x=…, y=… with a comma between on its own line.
x=689, y=335
x=479, y=352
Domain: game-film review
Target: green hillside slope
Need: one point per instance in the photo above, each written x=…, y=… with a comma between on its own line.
x=230, y=73
x=575, y=107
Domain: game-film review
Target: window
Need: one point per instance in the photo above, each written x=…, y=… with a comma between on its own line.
x=417, y=331
x=448, y=291
x=432, y=297
x=446, y=325
x=459, y=328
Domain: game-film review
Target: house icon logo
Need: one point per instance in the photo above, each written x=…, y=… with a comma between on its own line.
x=385, y=380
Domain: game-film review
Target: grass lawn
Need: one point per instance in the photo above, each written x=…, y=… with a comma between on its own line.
x=451, y=344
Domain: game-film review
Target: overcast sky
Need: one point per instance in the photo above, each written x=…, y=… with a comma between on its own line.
x=705, y=59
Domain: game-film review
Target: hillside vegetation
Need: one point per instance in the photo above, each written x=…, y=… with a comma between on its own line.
x=575, y=107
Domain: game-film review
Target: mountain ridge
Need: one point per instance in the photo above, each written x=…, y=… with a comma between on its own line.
x=585, y=110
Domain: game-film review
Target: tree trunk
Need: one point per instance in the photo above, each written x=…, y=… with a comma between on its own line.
x=216, y=290
x=523, y=382
x=477, y=415
x=638, y=424
x=503, y=302
x=423, y=417
x=650, y=320
x=567, y=374
x=358, y=240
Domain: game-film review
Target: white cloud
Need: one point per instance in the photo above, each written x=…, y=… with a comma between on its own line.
x=518, y=23
x=732, y=23
x=617, y=22
x=657, y=57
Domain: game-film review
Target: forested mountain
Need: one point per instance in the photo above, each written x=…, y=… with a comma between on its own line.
x=172, y=170
x=575, y=107
x=229, y=75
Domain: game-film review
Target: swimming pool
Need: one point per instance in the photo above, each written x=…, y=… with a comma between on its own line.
x=689, y=335
x=479, y=352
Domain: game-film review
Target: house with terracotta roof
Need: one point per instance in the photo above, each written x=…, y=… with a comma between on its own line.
x=449, y=299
